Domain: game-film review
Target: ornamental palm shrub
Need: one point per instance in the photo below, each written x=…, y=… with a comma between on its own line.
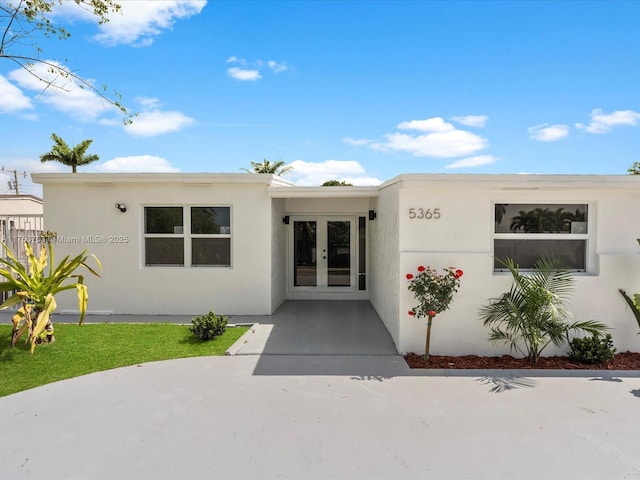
x=532, y=314
x=35, y=287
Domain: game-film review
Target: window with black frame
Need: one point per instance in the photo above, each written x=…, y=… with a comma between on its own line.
x=187, y=236
x=526, y=232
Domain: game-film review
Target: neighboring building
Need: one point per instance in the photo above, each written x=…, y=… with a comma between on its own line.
x=20, y=221
x=188, y=243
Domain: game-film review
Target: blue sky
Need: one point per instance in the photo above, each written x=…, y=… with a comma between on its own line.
x=358, y=91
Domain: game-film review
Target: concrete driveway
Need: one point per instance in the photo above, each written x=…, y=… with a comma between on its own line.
x=323, y=395
x=245, y=417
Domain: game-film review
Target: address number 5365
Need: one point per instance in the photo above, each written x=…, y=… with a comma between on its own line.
x=422, y=213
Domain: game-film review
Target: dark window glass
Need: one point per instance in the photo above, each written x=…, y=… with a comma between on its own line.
x=525, y=253
x=163, y=220
x=164, y=251
x=210, y=220
x=540, y=218
x=362, y=258
x=304, y=240
x=339, y=253
x=211, y=251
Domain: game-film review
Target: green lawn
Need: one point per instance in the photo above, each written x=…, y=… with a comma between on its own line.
x=79, y=350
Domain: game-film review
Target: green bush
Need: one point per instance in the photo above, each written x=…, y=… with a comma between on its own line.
x=594, y=349
x=208, y=326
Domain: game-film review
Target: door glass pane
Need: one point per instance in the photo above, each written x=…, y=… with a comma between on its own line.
x=304, y=245
x=339, y=253
x=362, y=250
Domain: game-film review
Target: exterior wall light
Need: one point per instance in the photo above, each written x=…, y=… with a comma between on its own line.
x=122, y=207
x=285, y=219
x=372, y=215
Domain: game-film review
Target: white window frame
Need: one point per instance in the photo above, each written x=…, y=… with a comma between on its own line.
x=586, y=237
x=186, y=235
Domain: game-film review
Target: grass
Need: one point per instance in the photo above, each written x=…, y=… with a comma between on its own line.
x=89, y=348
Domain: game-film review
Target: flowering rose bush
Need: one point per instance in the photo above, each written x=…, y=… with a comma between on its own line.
x=434, y=292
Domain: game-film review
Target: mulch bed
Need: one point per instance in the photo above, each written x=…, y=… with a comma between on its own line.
x=621, y=361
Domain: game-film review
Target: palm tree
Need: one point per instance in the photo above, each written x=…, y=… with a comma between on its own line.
x=635, y=169
x=532, y=314
x=275, y=168
x=71, y=157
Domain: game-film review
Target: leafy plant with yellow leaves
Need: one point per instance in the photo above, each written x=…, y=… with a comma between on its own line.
x=35, y=287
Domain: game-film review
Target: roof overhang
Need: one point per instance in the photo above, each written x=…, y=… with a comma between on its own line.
x=190, y=178
x=323, y=192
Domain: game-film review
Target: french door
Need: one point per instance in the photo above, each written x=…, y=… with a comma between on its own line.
x=322, y=254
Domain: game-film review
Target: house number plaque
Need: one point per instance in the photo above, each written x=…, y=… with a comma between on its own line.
x=424, y=213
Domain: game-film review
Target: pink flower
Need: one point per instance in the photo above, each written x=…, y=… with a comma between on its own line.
x=431, y=313
x=409, y=276
x=421, y=268
x=458, y=273
x=411, y=312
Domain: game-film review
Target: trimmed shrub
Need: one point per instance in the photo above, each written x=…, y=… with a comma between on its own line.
x=594, y=349
x=208, y=326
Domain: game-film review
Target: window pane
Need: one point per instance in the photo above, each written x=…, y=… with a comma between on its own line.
x=339, y=253
x=211, y=251
x=304, y=244
x=362, y=250
x=164, y=251
x=210, y=220
x=163, y=220
x=525, y=253
x=540, y=218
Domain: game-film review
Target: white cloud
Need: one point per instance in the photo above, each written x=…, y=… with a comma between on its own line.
x=251, y=71
x=455, y=143
x=156, y=122
x=11, y=97
x=235, y=59
x=356, y=142
x=139, y=22
x=435, y=124
x=476, y=161
x=64, y=94
x=243, y=75
x=316, y=173
x=604, y=122
x=436, y=138
x=136, y=163
x=277, y=67
x=472, y=120
x=25, y=167
x=548, y=133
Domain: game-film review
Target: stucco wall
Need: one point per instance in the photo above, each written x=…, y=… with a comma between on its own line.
x=127, y=286
x=384, y=261
x=278, y=254
x=462, y=237
x=327, y=205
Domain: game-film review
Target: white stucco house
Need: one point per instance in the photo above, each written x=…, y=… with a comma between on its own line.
x=187, y=243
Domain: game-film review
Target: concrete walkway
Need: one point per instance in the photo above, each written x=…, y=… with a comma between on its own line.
x=315, y=327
